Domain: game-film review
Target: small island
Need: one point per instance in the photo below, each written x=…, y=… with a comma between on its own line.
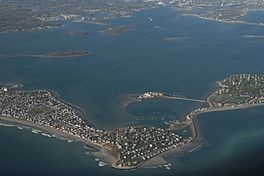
x=133, y=146
x=73, y=53
x=59, y=54
x=77, y=33
x=117, y=29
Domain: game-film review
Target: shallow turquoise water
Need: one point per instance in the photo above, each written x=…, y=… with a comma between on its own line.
x=135, y=62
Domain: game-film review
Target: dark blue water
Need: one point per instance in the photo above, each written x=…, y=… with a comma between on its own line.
x=134, y=62
x=255, y=16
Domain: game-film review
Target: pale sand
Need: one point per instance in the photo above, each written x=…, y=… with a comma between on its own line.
x=154, y=162
x=105, y=155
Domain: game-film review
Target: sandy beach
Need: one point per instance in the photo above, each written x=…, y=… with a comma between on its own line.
x=102, y=152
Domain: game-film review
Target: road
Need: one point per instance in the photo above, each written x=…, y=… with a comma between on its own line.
x=185, y=99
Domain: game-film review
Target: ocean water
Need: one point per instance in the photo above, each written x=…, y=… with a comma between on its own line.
x=174, y=54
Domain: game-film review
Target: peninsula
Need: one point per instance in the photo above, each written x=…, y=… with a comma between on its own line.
x=133, y=146
x=125, y=148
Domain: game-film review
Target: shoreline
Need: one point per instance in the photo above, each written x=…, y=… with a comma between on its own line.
x=57, y=133
x=82, y=112
x=197, y=138
x=190, y=144
x=106, y=156
x=101, y=152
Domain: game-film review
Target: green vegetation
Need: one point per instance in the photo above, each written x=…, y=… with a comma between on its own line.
x=179, y=125
x=239, y=89
x=40, y=110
